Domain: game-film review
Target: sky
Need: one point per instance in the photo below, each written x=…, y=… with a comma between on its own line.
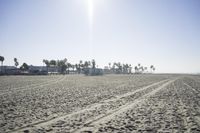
x=165, y=33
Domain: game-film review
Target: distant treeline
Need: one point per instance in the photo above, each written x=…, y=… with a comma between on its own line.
x=65, y=67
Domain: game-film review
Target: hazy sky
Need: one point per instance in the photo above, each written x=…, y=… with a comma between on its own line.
x=165, y=33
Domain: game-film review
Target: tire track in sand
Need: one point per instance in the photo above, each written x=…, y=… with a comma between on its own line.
x=96, y=112
x=195, y=117
x=93, y=125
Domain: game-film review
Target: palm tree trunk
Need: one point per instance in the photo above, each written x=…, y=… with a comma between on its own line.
x=1, y=66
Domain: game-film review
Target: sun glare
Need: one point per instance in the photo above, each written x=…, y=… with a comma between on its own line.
x=90, y=10
x=90, y=17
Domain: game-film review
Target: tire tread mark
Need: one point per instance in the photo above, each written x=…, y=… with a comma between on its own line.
x=94, y=124
x=93, y=107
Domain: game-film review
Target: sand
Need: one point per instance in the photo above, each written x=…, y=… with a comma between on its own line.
x=112, y=103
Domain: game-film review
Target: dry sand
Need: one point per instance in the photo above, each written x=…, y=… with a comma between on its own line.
x=114, y=103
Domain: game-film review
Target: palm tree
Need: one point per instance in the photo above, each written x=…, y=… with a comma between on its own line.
x=119, y=67
x=136, y=69
x=73, y=66
x=1, y=59
x=80, y=62
x=142, y=69
x=93, y=64
x=127, y=68
x=139, y=68
x=80, y=66
x=130, y=69
x=77, y=68
x=109, y=65
x=89, y=63
x=152, y=67
x=86, y=66
x=52, y=63
x=24, y=67
x=62, y=65
x=65, y=60
x=16, y=62
x=145, y=69
x=69, y=65
x=113, y=67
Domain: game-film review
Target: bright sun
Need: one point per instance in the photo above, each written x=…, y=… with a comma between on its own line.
x=90, y=10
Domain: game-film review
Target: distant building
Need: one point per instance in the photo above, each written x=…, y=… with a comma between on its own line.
x=37, y=70
x=10, y=70
x=54, y=70
x=93, y=71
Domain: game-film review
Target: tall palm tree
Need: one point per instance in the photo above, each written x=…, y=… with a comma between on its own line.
x=123, y=68
x=152, y=68
x=65, y=60
x=73, y=66
x=80, y=65
x=109, y=65
x=1, y=59
x=127, y=68
x=85, y=67
x=80, y=62
x=44, y=61
x=65, y=64
x=77, y=68
x=130, y=68
x=119, y=67
x=89, y=63
x=145, y=69
x=69, y=65
x=61, y=66
x=93, y=64
x=86, y=64
x=16, y=62
x=136, y=69
x=142, y=69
